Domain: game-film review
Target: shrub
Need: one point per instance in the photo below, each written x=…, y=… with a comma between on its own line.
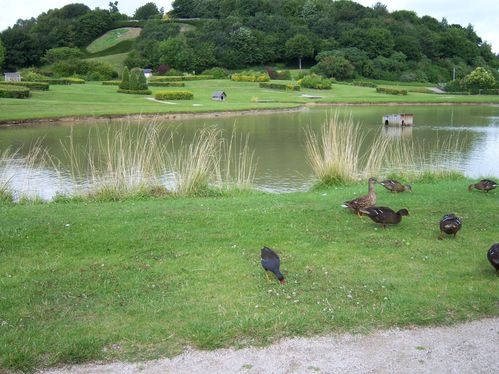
x=391, y=91
x=125, y=79
x=111, y=83
x=38, y=86
x=32, y=75
x=61, y=54
x=250, y=76
x=174, y=95
x=137, y=79
x=479, y=78
x=163, y=69
x=217, y=73
x=135, y=92
x=91, y=70
x=280, y=86
x=315, y=81
x=14, y=91
x=167, y=84
x=364, y=84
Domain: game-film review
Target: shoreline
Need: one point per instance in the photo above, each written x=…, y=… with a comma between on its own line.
x=215, y=114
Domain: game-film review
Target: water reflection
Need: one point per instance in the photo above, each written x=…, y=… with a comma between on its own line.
x=278, y=142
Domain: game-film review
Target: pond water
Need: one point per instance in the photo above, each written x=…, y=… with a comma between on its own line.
x=278, y=141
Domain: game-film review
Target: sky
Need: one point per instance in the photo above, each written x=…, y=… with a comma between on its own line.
x=482, y=14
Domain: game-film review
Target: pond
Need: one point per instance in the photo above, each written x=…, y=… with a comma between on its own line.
x=278, y=141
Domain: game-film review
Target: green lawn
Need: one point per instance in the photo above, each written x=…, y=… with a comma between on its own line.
x=141, y=279
x=94, y=99
x=116, y=61
x=113, y=37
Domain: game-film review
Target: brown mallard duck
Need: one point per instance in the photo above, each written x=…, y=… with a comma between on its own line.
x=493, y=256
x=363, y=201
x=384, y=216
x=450, y=224
x=484, y=185
x=395, y=186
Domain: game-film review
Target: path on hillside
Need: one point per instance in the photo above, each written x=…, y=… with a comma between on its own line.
x=468, y=348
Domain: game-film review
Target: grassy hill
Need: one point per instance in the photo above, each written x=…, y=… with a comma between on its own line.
x=113, y=38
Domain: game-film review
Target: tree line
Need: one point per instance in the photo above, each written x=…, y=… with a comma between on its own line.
x=340, y=39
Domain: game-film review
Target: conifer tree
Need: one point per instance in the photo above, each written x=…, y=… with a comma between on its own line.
x=125, y=79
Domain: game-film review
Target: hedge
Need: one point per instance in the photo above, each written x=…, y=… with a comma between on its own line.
x=14, y=91
x=391, y=91
x=39, y=86
x=64, y=81
x=250, y=77
x=167, y=84
x=280, y=86
x=135, y=92
x=364, y=84
x=111, y=83
x=178, y=78
x=174, y=95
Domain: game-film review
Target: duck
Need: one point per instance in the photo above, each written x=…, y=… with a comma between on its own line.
x=484, y=185
x=365, y=201
x=450, y=224
x=271, y=262
x=395, y=186
x=384, y=215
x=493, y=256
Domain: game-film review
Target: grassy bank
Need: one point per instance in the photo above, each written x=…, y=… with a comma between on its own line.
x=94, y=99
x=144, y=278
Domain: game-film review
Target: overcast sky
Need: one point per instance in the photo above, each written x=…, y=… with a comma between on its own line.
x=482, y=14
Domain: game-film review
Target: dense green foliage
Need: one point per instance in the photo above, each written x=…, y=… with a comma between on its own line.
x=148, y=10
x=478, y=79
x=62, y=53
x=111, y=83
x=125, y=79
x=146, y=278
x=91, y=70
x=174, y=95
x=2, y=55
x=9, y=91
x=74, y=25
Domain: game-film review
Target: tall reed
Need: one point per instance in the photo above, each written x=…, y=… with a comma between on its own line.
x=122, y=162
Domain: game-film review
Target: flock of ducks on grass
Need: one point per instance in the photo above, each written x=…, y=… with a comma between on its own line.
x=450, y=224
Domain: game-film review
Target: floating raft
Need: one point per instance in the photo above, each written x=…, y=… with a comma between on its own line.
x=402, y=119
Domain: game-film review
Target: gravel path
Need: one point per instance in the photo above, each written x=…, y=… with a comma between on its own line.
x=468, y=348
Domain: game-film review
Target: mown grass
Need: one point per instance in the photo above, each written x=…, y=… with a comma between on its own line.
x=141, y=279
x=94, y=99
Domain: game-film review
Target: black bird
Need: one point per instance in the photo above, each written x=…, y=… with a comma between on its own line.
x=484, y=185
x=449, y=224
x=383, y=215
x=271, y=262
x=493, y=256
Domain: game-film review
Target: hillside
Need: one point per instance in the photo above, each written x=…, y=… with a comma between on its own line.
x=114, y=38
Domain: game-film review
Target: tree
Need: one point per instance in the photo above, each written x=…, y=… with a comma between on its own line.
x=335, y=66
x=125, y=79
x=146, y=11
x=113, y=7
x=479, y=78
x=299, y=46
x=62, y=53
x=2, y=54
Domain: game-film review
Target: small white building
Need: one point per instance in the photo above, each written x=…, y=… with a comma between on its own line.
x=219, y=96
x=148, y=73
x=401, y=119
x=12, y=77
